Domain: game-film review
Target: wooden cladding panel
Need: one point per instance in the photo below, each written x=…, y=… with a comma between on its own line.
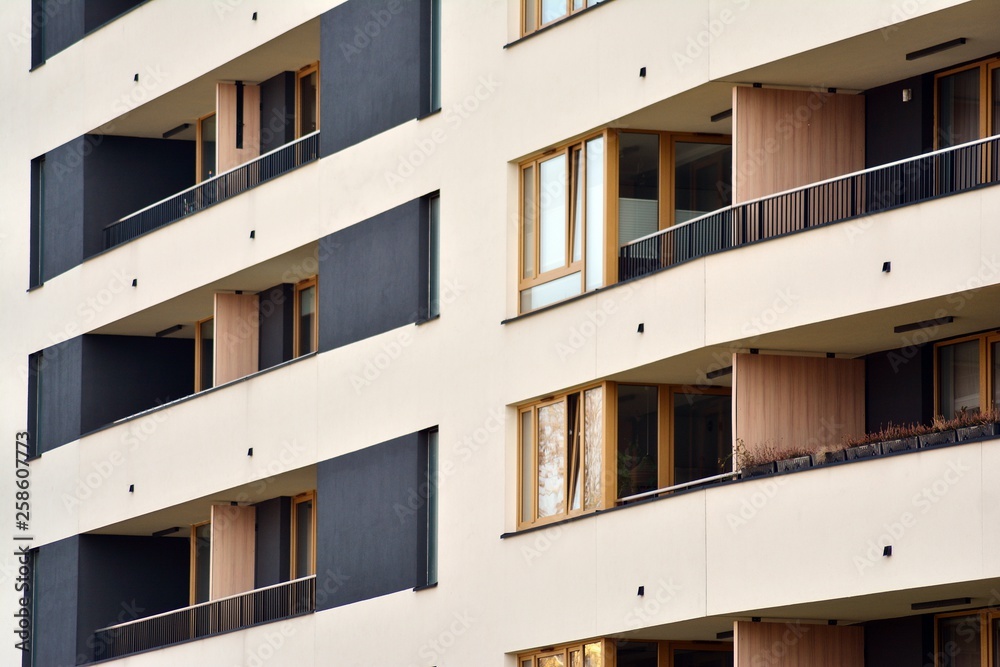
x=236, y=336
x=798, y=645
x=787, y=138
x=797, y=402
x=228, y=155
x=233, y=535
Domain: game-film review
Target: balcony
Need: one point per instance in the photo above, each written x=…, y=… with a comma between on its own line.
x=236, y=612
x=938, y=174
x=214, y=190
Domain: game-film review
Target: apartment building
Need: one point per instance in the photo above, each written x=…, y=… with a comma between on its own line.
x=514, y=333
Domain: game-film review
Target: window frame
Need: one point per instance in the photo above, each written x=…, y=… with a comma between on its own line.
x=199, y=353
x=193, y=581
x=570, y=11
x=986, y=68
x=308, y=496
x=533, y=657
x=987, y=382
x=300, y=286
x=199, y=148
x=299, y=75
x=986, y=650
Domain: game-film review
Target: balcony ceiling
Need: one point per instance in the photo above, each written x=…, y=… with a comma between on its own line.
x=289, y=52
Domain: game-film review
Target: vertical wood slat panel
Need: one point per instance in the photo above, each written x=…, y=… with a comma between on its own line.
x=797, y=401
x=798, y=645
x=236, y=336
x=233, y=554
x=784, y=139
x=228, y=156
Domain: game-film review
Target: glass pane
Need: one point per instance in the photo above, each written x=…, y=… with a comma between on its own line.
x=995, y=355
x=702, y=436
x=551, y=455
x=206, y=330
x=528, y=222
x=995, y=102
x=575, y=658
x=593, y=655
x=595, y=213
x=303, y=538
x=207, y=147
x=308, y=118
x=434, y=260
x=593, y=436
x=432, y=506
x=527, y=465
x=579, y=4
x=307, y=315
x=958, y=382
x=550, y=292
x=958, y=108
x=529, y=15
x=958, y=641
x=575, y=462
x=526, y=663
x=435, y=55
x=638, y=185
x=553, y=9
x=638, y=452
x=702, y=179
x=202, y=562
x=552, y=188
x=636, y=654
x=996, y=642
x=692, y=658
x=577, y=201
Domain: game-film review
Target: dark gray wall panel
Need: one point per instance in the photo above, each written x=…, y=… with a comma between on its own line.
x=123, y=375
x=277, y=325
x=99, y=12
x=895, y=130
x=64, y=24
x=374, y=277
x=376, y=68
x=899, y=642
x=273, y=547
x=899, y=386
x=59, y=397
x=277, y=111
x=125, y=174
x=56, y=595
x=62, y=207
x=123, y=577
x=371, y=522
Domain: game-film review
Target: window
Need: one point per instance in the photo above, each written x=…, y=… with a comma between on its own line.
x=433, y=256
x=201, y=562
x=582, y=450
x=307, y=100
x=205, y=147
x=303, y=535
x=35, y=276
x=967, y=639
x=967, y=103
x=966, y=373
x=590, y=654
x=540, y=13
x=573, y=220
x=631, y=653
x=432, y=507
x=204, y=354
x=35, y=364
x=435, y=88
x=306, y=320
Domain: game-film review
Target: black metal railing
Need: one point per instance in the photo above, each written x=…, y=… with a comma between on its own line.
x=214, y=190
x=263, y=605
x=938, y=174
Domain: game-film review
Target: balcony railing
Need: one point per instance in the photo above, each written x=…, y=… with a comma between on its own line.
x=214, y=190
x=263, y=605
x=944, y=172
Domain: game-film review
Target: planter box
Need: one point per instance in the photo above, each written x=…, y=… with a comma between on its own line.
x=830, y=457
x=901, y=445
x=757, y=471
x=863, y=451
x=976, y=432
x=932, y=439
x=797, y=463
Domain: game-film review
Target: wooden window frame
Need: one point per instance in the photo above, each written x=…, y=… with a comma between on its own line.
x=607, y=652
x=665, y=650
x=986, y=379
x=193, y=584
x=299, y=287
x=985, y=68
x=570, y=11
x=301, y=74
x=296, y=501
x=199, y=355
x=199, y=149
x=986, y=648
x=609, y=469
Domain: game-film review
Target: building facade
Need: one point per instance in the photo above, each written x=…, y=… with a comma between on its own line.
x=534, y=333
